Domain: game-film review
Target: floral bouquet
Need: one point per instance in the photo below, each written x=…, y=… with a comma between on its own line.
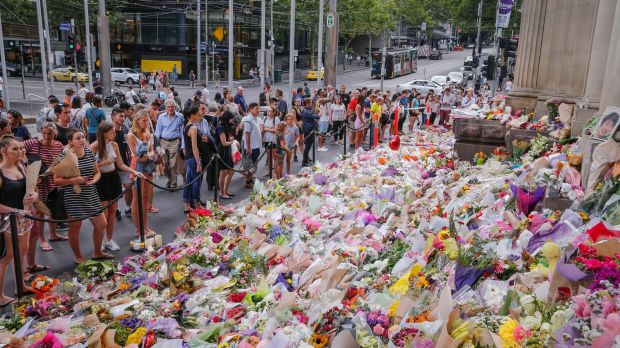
x=480, y=158
x=519, y=147
x=42, y=284
x=501, y=153
x=95, y=271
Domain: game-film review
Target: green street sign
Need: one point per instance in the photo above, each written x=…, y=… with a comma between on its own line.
x=330, y=20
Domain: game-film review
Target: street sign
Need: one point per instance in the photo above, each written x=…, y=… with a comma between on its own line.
x=64, y=26
x=218, y=33
x=423, y=26
x=330, y=20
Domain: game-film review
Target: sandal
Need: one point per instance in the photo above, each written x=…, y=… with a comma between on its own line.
x=45, y=246
x=37, y=268
x=58, y=238
x=103, y=257
x=153, y=210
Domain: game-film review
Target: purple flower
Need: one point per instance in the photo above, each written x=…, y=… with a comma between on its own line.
x=132, y=323
x=607, y=273
x=389, y=171
x=388, y=194
x=320, y=179
x=216, y=237
x=467, y=275
x=282, y=280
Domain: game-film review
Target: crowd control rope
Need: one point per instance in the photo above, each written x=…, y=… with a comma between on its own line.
x=243, y=171
x=110, y=203
x=186, y=184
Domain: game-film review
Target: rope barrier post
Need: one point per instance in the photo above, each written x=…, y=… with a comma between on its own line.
x=344, y=150
x=270, y=157
x=314, y=148
x=216, y=185
x=17, y=260
x=140, y=210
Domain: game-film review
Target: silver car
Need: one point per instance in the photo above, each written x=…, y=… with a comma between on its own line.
x=421, y=86
x=125, y=75
x=457, y=79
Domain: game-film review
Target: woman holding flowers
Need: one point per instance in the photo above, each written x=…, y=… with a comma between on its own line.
x=84, y=204
x=13, y=199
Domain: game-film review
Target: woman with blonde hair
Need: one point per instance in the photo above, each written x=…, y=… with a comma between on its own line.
x=140, y=141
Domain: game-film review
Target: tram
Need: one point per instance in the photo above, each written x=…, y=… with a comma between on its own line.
x=398, y=62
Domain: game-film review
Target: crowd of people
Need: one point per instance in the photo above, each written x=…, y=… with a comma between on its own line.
x=171, y=139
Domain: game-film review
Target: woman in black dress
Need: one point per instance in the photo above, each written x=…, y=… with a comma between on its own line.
x=86, y=203
x=225, y=138
x=13, y=199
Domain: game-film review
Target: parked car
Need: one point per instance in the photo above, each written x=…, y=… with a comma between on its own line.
x=125, y=75
x=421, y=86
x=313, y=74
x=435, y=55
x=457, y=78
x=471, y=45
x=459, y=48
x=468, y=72
x=440, y=80
x=67, y=74
x=12, y=69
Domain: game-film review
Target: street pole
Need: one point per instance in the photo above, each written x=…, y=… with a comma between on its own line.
x=230, y=44
x=21, y=55
x=3, y=58
x=272, y=48
x=383, y=54
x=103, y=29
x=319, y=61
x=89, y=58
x=41, y=49
x=262, y=44
x=478, y=41
x=331, y=47
x=198, y=41
x=75, y=57
x=50, y=58
x=291, y=48
x=207, y=42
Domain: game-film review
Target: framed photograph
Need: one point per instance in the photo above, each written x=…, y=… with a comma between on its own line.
x=607, y=124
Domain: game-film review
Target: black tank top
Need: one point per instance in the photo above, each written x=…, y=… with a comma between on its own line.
x=189, y=152
x=12, y=192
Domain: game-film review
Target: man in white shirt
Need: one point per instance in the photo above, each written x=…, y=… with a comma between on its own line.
x=447, y=101
x=469, y=99
x=82, y=91
x=205, y=94
x=130, y=95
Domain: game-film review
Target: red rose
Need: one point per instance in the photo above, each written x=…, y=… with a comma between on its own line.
x=235, y=312
x=236, y=297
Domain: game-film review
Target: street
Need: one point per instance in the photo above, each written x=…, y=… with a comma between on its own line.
x=170, y=214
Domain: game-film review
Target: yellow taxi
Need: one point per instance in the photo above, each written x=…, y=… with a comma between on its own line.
x=312, y=74
x=67, y=74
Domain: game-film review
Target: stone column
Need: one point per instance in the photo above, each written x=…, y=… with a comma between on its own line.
x=611, y=87
x=600, y=50
x=528, y=53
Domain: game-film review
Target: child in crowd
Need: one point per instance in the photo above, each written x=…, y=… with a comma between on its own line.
x=292, y=136
x=282, y=150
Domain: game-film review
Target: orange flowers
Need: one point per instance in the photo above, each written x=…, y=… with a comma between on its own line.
x=42, y=284
x=319, y=341
x=382, y=160
x=410, y=158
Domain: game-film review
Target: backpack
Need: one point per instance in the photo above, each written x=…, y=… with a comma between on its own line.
x=187, y=104
x=44, y=115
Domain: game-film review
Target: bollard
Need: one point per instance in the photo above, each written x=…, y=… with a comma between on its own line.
x=270, y=154
x=140, y=210
x=313, y=147
x=216, y=184
x=17, y=260
x=344, y=151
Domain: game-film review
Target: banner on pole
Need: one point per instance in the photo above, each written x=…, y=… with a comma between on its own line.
x=503, y=13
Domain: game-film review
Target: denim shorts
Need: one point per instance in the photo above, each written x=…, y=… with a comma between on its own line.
x=323, y=127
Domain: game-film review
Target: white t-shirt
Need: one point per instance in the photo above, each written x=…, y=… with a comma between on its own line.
x=337, y=112
x=129, y=97
x=323, y=113
x=82, y=92
x=206, y=98
x=251, y=125
x=270, y=137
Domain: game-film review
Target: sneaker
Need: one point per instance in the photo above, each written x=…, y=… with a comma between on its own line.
x=112, y=246
x=323, y=149
x=128, y=212
x=295, y=159
x=118, y=214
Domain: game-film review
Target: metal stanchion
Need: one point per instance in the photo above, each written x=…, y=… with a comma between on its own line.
x=270, y=154
x=140, y=211
x=216, y=184
x=344, y=150
x=313, y=147
x=17, y=260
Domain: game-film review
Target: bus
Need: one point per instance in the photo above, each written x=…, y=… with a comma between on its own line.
x=398, y=62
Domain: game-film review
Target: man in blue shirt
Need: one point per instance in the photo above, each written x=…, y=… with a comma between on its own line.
x=308, y=119
x=168, y=130
x=240, y=101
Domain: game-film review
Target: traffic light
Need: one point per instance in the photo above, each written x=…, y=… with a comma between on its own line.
x=489, y=69
x=476, y=61
x=70, y=42
x=511, y=48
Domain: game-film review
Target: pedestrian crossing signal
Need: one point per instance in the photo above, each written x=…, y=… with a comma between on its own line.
x=71, y=42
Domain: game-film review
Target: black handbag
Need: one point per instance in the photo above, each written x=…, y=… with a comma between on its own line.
x=56, y=203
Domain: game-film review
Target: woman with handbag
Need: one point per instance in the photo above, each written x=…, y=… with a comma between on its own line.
x=140, y=142
x=45, y=149
x=109, y=187
x=225, y=138
x=193, y=163
x=13, y=199
x=85, y=203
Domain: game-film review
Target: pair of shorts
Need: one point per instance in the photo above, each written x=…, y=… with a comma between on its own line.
x=255, y=154
x=323, y=127
x=125, y=179
x=109, y=186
